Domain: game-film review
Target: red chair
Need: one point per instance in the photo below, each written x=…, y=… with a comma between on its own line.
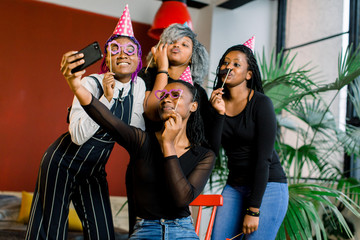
x=212, y=200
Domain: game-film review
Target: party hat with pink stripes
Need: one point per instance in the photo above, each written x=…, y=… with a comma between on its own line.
x=186, y=76
x=124, y=26
x=250, y=43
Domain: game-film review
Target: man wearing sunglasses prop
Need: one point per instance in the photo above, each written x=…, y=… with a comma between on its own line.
x=73, y=167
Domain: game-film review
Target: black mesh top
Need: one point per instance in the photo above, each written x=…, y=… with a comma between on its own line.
x=160, y=187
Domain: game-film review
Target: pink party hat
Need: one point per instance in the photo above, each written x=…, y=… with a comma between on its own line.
x=124, y=26
x=250, y=43
x=186, y=76
x=188, y=24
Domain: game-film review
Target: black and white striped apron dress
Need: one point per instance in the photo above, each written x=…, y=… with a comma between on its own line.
x=69, y=172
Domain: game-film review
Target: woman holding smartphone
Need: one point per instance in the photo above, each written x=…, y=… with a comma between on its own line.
x=169, y=166
x=73, y=167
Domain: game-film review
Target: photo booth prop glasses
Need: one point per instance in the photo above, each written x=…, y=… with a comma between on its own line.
x=174, y=93
x=129, y=48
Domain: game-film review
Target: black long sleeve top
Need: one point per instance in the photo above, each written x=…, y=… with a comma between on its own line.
x=248, y=140
x=161, y=187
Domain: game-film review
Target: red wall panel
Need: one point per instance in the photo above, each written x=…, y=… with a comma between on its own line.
x=34, y=95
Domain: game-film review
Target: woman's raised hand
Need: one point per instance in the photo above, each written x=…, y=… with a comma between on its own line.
x=109, y=85
x=250, y=224
x=160, y=57
x=172, y=127
x=217, y=100
x=69, y=61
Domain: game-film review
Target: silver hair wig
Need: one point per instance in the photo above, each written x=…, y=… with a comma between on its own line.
x=200, y=57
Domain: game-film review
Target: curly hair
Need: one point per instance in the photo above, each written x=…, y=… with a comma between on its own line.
x=104, y=68
x=255, y=81
x=194, y=126
x=200, y=57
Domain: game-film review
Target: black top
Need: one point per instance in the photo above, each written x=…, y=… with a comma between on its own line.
x=204, y=106
x=161, y=187
x=248, y=140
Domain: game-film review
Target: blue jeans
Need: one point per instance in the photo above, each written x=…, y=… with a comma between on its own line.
x=163, y=229
x=229, y=217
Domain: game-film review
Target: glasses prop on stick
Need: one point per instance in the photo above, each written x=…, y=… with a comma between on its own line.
x=157, y=45
x=128, y=48
x=227, y=74
x=173, y=93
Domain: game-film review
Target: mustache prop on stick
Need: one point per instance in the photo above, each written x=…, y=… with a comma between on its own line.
x=223, y=72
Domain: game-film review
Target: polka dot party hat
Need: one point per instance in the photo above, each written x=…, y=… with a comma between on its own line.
x=250, y=43
x=186, y=76
x=124, y=26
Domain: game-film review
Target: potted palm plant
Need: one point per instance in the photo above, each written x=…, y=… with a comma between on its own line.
x=318, y=189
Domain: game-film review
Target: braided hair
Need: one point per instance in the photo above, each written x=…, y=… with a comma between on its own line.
x=104, y=68
x=255, y=81
x=194, y=125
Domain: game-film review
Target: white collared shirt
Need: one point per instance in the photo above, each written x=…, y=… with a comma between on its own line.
x=82, y=127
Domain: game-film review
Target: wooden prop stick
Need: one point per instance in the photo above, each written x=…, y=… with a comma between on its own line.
x=235, y=236
x=109, y=51
x=226, y=77
x=110, y=62
x=177, y=103
x=157, y=45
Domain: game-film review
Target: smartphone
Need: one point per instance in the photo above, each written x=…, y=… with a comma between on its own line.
x=92, y=53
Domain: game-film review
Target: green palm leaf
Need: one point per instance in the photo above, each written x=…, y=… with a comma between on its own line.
x=303, y=217
x=348, y=68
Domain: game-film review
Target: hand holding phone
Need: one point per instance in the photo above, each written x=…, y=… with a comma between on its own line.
x=92, y=53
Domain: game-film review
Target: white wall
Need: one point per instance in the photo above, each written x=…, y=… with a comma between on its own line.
x=231, y=27
x=310, y=20
x=217, y=28
x=140, y=10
